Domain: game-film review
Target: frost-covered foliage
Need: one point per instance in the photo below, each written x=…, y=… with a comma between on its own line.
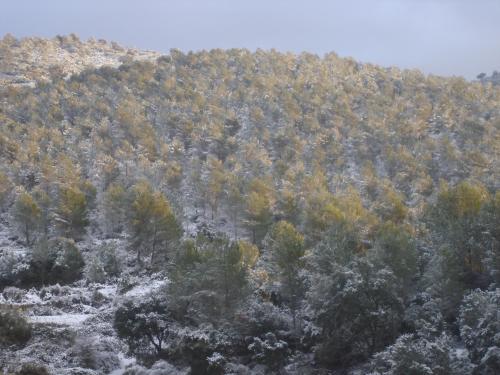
x=480, y=327
x=14, y=328
x=12, y=265
x=464, y=229
x=145, y=326
x=258, y=317
x=105, y=264
x=358, y=310
x=32, y=369
x=269, y=350
x=209, y=278
x=96, y=353
x=423, y=316
x=57, y=260
x=159, y=368
x=420, y=356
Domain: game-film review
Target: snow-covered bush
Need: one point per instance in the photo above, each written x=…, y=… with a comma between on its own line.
x=490, y=363
x=258, y=317
x=209, y=280
x=32, y=369
x=419, y=356
x=143, y=325
x=480, y=323
x=159, y=368
x=423, y=317
x=13, y=294
x=216, y=364
x=14, y=328
x=12, y=267
x=69, y=262
x=127, y=282
x=110, y=260
x=203, y=348
x=105, y=264
x=95, y=272
x=358, y=310
x=95, y=353
x=269, y=350
x=55, y=261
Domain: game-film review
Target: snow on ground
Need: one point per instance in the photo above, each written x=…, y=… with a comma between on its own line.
x=61, y=313
x=71, y=320
x=10, y=243
x=143, y=289
x=124, y=363
x=109, y=291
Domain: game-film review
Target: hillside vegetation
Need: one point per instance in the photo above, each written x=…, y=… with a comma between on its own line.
x=301, y=214
x=25, y=61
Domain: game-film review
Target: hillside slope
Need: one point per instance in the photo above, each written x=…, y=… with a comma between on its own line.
x=250, y=212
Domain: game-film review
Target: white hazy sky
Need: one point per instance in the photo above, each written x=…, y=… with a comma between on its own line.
x=446, y=37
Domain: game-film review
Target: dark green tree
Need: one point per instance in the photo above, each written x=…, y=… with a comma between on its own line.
x=27, y=215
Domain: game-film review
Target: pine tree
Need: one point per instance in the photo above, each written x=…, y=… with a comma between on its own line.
x=72, y=212
x=5, y=189
x=286, y=247
x=211, y=275
x=259, y=204
x=114, y=204
x=44, y=202
x=152, y=223
x=27, y=215
x=235, y=200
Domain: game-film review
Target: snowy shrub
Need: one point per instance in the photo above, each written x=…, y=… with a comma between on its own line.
x=259, y=317
x=269, y=350
x=358, y=311
x=12, y=267
x=55, y=261
x=51, y=290
x=32, y=369
x=209, y=279
x=143, y=325
x=480, y=322
x=14, y=328
x=69, y=262
x=104, y=265
x=216, y=363
x=490, y=363
x=13, y=294
x=7, y=262
x=109, y=259
x=95, y=272
x=126, y=283
x=419, y=356
x=239, y=369
x=159, y=368
x=95, y=353
x=423, y=316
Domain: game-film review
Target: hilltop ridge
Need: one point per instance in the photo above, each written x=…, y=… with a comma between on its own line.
x=23, y=61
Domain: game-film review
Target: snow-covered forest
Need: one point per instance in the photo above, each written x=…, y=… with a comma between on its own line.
x=237, y=212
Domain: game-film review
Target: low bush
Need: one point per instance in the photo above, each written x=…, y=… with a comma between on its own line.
x=14, y=328
x=32, y=369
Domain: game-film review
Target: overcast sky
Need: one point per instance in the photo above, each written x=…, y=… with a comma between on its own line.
x=447, y=37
